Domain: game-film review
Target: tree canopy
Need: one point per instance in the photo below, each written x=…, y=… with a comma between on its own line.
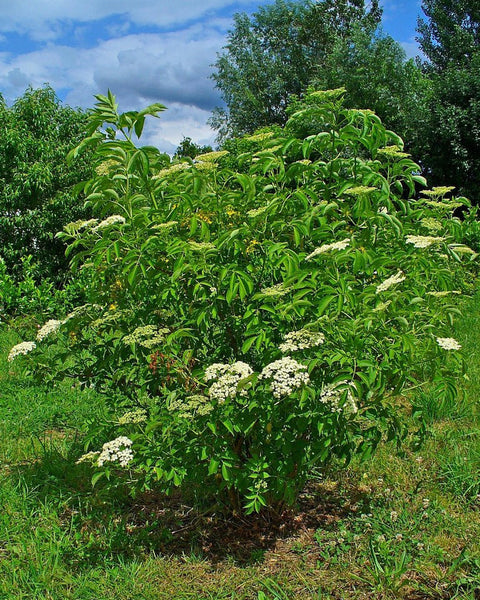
x=450, y=40
x=275, y=53
x=35, y=181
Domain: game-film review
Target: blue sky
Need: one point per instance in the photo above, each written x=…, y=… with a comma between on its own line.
x=144, y=51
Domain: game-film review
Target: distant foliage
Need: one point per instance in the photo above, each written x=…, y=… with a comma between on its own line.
x=275, y=53
x=189, y=149
x=450, y=39
x=36, y=198
x=255, y=316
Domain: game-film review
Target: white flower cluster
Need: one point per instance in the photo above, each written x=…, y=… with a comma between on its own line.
x=147, y=336
x=166, y=225
x=276, y=290
x=88, y=457
x=228, y=377
x=423, y=241
x=301, y=339
x=381, y=306
x=332, y=394
x=442, y=294
x=50, y=326
x=431, y=224
x=201, y=246
x=327, y=247
x=139, y=415
x=393, y=280
x=360, y=190
x=448, y=343
x=212, y=156
x=22, y=348
x=81, y=224
x=286, y=375
x=118, y=450
x=256, y=212
x=438, y=191
x=110, y=221
x=191, y=406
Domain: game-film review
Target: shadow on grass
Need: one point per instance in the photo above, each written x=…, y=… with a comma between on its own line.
x=108, y=526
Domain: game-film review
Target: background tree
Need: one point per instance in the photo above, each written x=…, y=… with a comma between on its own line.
x=36, y=198
x=190, y=149
x=274, y=54
x=376, y=74
x=450, y=39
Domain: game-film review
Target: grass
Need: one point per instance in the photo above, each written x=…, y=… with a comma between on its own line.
x=401, y=526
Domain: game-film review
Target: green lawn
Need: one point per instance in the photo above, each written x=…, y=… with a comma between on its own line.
x=402, y=526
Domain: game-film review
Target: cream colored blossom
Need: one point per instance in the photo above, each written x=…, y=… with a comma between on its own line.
x=393, y=280
x=301, y=340
x=393, y=152
x=188, y=408
x=22, y=348
x=381, y=306
x=259, y=137
x=333, y=395
x=112, y=220
x=201, y=246
x=461, y=249
x=139, y=415
x=256, y=212
x=448, y=343
x=285, y=375
x=360, y=190
x=423, y=241
x=227, y=377
x=50, y=327
x=328, y=247
x=438, y=191
x=276, y=290
x=175, y=168
x=431, y=224
x=165, y=226
x=118, y=450
x=212, y=156
x=88, y=457
x=443, y=293
x=147, y=336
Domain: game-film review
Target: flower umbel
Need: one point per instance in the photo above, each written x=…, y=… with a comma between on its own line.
x=50, y=327
x=113, y=220
x=393, y=280
x=301, y=340
x=448, y=343
x=22, y=348
x=118, y=450
x=228, y=377
x=286, y=375
x=327, y=247
x=423, y=241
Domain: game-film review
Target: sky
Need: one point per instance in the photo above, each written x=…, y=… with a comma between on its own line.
x=144, y=51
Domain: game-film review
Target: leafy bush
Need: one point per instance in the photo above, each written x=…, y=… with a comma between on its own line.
x=251, y=321
x=36, y=198
x=35, y=295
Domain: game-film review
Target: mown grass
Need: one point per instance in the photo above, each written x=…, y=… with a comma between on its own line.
x=402, y=526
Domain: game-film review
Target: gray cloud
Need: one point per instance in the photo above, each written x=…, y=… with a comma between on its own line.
x=172, y=68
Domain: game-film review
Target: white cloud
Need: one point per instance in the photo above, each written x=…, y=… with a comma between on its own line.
x=43, y=19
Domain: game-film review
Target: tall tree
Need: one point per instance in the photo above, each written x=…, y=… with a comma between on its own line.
x=274, y=54
x=450, y=36
x=450, y=39
x=36, y=198
x=376, y=74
